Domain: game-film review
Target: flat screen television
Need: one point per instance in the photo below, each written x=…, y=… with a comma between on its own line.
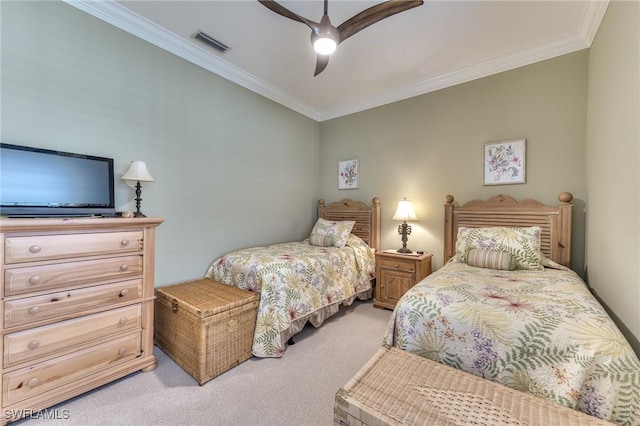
x=41, y=182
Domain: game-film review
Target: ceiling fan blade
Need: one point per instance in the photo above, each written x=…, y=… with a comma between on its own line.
x=283, y=11
x=374, y=14
x=321, y=64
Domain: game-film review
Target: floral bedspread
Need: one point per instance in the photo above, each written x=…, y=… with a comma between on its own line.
x=297, y=282
x=541, y=332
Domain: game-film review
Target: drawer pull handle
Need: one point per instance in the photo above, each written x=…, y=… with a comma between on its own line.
x=397, y=265
x=34, y=279
x=35, y=249
x=124, y=243
x=123, y=321
x=122, y=351
x=34, y=344
x=124, y=267
x=34, y=310
x=33, y=382
x=124, y=292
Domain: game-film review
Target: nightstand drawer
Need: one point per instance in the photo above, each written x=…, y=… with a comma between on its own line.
x=47, y=306
x=45, y=247
x=37, y=379
x=42, y=341
x=399, y=265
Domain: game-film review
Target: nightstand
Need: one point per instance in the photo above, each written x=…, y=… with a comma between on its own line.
x=396, y=273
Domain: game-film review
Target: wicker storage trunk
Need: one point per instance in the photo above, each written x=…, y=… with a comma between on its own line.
x=205, y=326
x=396, y=387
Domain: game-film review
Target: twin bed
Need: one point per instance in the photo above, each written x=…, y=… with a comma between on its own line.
x=307, y=281
x=505, y=307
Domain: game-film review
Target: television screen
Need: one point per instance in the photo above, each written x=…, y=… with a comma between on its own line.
x=36, y=182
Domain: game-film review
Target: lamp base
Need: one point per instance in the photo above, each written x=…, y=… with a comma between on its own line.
x=138, y=199
x=404, y=230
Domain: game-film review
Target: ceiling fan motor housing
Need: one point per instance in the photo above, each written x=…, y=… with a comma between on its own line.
x=325, y=37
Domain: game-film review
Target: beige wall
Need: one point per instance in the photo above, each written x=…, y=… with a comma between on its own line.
x=429, y=146
x=233, y=169
x=613, y=161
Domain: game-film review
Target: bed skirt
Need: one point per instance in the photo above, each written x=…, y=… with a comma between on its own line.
x=318, y=317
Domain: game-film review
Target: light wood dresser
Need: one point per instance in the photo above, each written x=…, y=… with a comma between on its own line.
x=77, y=307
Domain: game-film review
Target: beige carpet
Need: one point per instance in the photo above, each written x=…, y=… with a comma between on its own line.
x=297, y=389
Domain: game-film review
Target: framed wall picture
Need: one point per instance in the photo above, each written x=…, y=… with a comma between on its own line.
x=504, y=162
x=348, y=174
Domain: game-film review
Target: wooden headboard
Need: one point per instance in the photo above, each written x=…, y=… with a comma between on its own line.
x=503, y=210
x=367, y=218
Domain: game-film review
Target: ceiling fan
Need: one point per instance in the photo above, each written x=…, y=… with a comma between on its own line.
x=325, y=37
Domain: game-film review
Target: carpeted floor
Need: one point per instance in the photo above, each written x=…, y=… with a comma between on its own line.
x=297, y=389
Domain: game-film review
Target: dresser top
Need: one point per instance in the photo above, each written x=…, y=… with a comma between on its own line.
x=30, y=224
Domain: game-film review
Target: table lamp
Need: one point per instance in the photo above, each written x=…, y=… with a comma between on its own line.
x=404, y=212
x=138, y=172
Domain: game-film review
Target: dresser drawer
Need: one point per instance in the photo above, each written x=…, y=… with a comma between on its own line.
x=42, y=341
x=399, y=265
x=50, y=277
x=37, y=308
x=45, y=247
x=49, y=375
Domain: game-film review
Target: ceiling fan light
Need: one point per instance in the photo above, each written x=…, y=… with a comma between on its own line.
x=324, y=46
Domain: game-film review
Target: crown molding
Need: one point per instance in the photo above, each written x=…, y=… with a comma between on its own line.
x=462, y=75
x=591, y=20
x=593, y=15
x=120, y=17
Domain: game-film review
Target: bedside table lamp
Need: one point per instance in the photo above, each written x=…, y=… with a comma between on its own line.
x=138, y=172
x=404, y=213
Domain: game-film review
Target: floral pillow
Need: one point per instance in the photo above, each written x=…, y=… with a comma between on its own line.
x=338, y=230
x=521, y=243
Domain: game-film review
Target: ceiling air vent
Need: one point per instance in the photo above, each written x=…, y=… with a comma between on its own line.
x=210, y=41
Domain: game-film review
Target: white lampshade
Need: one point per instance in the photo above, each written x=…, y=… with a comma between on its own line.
x=138, y=172
x=405, y=211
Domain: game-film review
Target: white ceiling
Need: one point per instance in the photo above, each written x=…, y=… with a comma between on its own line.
x=436, y=45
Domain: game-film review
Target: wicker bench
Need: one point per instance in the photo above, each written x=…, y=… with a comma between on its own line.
x=205, y=326
x=396, y=387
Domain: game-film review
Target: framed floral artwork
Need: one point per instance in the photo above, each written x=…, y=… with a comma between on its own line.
x=348, y=174
x=504, y=162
